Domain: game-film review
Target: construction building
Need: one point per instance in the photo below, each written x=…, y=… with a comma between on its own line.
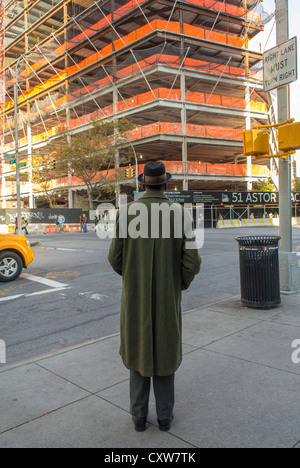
x=186, y=72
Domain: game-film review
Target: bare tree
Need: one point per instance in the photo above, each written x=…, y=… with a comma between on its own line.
x=42, y=175
x=91, y=156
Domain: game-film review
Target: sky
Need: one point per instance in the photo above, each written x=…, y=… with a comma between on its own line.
x=268, y=41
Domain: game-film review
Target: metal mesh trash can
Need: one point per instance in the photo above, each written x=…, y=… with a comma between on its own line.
x=259, y=271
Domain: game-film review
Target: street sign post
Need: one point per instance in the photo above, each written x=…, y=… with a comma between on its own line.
x=285, y=65
x=280, y=65
x=13, y=161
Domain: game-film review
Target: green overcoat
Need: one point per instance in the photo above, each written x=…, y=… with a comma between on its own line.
x=154, y=270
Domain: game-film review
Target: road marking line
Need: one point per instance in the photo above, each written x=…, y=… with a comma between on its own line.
x=46, y=291
x=76, y=250
x=46, y=281
x=68, y=249
x=94, y=296
x=18, y=296
x=3, y=299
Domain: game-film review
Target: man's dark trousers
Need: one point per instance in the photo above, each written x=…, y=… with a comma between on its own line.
x=164, y=391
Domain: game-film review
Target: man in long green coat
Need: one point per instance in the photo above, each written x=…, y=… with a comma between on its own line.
x=155, y=254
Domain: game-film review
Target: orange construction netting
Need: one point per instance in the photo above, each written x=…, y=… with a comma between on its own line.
x=176, y=167
x=166, y=128
x=171, y=60
x=175, y=95
x=149, y=130
x=119, y=12
x=191, y=130
x=226, y=8
x=150, y=96
x=156, y=25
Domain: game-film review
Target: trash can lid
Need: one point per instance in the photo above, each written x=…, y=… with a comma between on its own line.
x=258, y=240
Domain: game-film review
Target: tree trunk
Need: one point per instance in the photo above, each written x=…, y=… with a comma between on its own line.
x=51, y=200
x=90, y=198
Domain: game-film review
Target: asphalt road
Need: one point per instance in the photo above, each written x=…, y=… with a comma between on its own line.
x=70, y=294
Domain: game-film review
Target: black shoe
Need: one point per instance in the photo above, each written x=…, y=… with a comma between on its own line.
x=140, y=424
x=165, y=424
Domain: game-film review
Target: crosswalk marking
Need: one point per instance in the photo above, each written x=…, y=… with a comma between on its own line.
x=18, y=296
x=54, y=285
x=45, y=281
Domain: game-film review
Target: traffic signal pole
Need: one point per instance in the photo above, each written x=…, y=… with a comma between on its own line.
x=289, y=268
x=19, y=221
x=16, y=100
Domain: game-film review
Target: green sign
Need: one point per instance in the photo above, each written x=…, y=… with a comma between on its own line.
x=13, y=161
x=8, y=155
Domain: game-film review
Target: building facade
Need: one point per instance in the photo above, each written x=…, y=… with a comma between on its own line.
x=185, y=72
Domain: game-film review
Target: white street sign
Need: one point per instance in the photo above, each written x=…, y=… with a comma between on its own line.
x=280, y=65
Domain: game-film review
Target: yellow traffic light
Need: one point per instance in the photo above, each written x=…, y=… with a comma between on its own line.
x=129, y=173
x=256, y=143
x=289, y=137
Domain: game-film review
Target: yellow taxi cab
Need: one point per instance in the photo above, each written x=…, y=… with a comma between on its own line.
x=15, y=254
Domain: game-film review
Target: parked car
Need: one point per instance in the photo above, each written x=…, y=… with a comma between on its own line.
x=15, y=254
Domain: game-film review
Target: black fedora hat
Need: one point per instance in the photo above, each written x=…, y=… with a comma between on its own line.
x=154, y=174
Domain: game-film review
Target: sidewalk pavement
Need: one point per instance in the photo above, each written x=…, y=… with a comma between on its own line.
x=237, y=387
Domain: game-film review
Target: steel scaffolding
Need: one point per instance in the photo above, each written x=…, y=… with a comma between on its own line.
x=182, y=70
